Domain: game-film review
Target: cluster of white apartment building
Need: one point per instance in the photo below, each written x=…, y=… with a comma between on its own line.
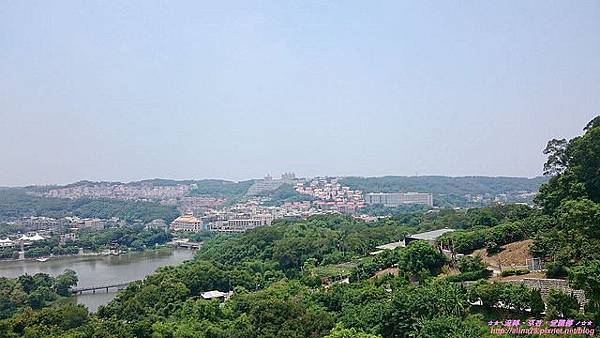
x=331, y=195
x=268, y=183
x=396, y=199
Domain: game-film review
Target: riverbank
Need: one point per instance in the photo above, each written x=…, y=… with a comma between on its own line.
x=99, y=269
x=84, y=254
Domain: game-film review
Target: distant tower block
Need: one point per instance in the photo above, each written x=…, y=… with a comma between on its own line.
x=288, y=177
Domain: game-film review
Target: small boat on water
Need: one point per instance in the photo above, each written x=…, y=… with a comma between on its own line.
x=42, y=259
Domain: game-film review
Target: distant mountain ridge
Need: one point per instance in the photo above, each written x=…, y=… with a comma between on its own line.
x=366, y=181
x=445, y=188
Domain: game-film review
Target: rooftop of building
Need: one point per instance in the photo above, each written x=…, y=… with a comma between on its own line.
x=430, y=235
x=187, y=218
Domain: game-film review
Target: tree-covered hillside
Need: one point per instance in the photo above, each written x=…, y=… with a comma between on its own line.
x=221, y=188
x=17, y=202
x=444, y=184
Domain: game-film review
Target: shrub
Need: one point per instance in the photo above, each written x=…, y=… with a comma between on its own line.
x=470, y=276
x=493, y=248
x=470, y=264
x=514, y=272
x=556, y=270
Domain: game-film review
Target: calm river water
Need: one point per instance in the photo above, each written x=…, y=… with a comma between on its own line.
x=97, y=270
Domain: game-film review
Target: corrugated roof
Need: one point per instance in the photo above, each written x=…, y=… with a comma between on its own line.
x=187, y=218
x=391, y=246
x=212, y=294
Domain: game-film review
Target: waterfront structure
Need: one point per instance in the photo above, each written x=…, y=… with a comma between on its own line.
x=5, y=243
x=396, y=199
x=28, y=238
x=187, y=222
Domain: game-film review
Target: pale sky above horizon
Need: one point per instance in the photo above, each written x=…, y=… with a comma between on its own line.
x=121, y=91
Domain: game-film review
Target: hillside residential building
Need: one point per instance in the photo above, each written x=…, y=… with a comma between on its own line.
x=270, y=184
x=64, y=238
x=94, y=224
x=157, y=224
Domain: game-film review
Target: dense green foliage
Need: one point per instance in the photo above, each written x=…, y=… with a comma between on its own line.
x=17, y=202
x=572, y=197
x=125, y=238
x=328, y=239
x=471, y=268
x=221, y=188
x=33, y=291
x=495, y=226
x=136, y=238
x=444, y=184
x=514, y=272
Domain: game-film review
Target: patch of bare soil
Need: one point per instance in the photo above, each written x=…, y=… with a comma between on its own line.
x=514, y=255
x=388, y=271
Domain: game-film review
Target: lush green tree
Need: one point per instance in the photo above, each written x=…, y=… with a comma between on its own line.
x=419, y=256
x=470, y=263
x=574, y=167
x=471, y=268
x=340, y=331
x=586, y=276
x=537, y=303
x=556, y=270
x=560, y=304
x=412, y=304
x=451, y=326
x=65, y=281
x=40, y=296
x=27, y=283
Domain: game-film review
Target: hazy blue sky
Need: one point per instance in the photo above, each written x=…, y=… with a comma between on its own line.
x=130, y=90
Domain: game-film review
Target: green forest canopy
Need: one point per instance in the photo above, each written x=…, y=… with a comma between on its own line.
x=16, y=202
